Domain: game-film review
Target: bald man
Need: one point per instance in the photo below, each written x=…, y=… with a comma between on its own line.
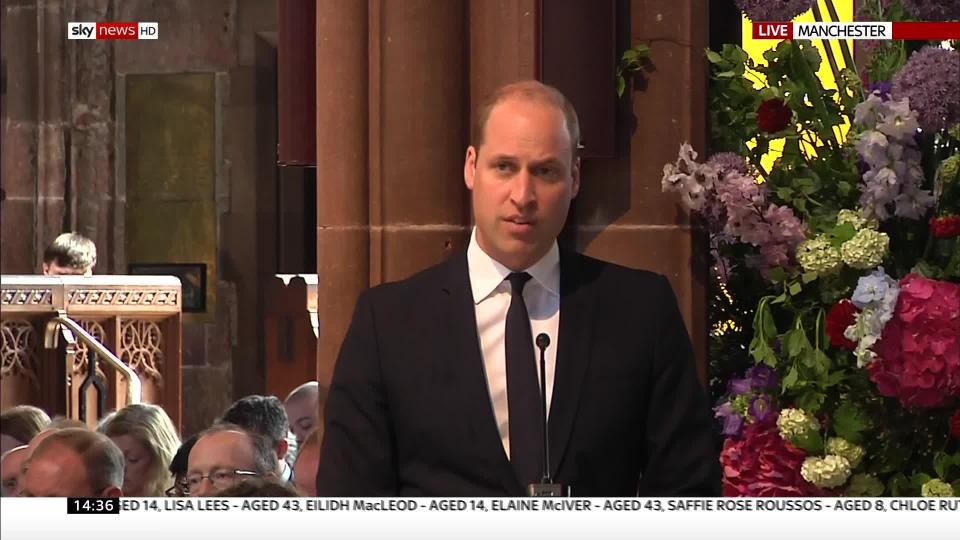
x=303, y=410
x=73, y=462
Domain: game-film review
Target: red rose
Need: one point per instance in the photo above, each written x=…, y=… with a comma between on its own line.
x=841, y=316
x=945, y=227
x=955, y=424
x=762, y=464
x=773, y=115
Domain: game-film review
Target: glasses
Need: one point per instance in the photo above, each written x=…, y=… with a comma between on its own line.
x=219, y=478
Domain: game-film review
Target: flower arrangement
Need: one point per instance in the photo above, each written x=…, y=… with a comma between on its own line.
x=835, y=356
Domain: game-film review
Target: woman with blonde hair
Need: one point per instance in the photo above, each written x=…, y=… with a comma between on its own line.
x=149, y=440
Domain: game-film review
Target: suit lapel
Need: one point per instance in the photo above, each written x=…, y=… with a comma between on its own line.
x=463, y=346
x=577, y=302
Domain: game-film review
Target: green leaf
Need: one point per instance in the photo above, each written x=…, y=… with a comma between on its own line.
x=761, y=352
x=811, y=401
x=900, y=487
x=785, y=193
x=918, y=480
x=795, y=288
x=941, y=461
x=807, y=277
x=811, y=441
x=790, y=380
x=841, y=233
x=729, y=74
x=795, y=342
x=621, y=85
x=777, y=274
x=849, y=422
x=713, y=57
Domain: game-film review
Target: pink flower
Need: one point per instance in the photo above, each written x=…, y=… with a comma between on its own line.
x=918, y=355
x=762, y=464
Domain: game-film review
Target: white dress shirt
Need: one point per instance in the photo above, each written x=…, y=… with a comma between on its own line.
x=491, y=300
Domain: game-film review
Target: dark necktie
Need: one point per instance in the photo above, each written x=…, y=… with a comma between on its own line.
x=523, y=390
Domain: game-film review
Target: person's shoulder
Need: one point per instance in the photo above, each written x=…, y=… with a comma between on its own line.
x=590, y=269
x=412, y=287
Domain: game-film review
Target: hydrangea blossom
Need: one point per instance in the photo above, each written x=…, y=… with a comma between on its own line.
x=795, y=422
x=866, y=249
x=826, y=472
x=876, y=296
x=936, y=488
x=819, y=256
x=841, y=447
x=864, y=485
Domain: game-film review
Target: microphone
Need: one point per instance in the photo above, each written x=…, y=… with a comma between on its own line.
x=546, y=487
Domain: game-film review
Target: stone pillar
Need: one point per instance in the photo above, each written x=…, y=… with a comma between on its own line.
x=504, y=45
x=91, y=117
x=621, y=214
x=343, y=241
x=18, y=168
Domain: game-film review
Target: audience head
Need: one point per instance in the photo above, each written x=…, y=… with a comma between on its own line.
x=263, y=415
x=258, y=487
x=70, y=254
x=305, y=468
x=225, y=454
x=20, y=424
x=11, y=463
x=178, y=467
x=73, y=462
x=303, y=409
x=148, y=440
x=58, y=423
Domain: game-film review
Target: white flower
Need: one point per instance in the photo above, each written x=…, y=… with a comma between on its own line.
x=794, y=422
x=899, y=122
x=872, y=147
x=827, y=472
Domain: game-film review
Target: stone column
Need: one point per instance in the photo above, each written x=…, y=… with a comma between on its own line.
x=621, y=214
x=343, y=241
x=18, y=168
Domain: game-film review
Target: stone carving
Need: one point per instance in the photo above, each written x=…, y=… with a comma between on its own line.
x=18, y=350
x=140, y=348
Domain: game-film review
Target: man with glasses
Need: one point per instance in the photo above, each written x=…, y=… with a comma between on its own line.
x=225, y=454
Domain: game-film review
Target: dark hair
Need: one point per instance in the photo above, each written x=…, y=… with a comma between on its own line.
x=72, y=250
x=102, y=458
x=181, y=460
x=530, y=91
x=259, y=414
x=258, y=487
x=23, y=422
x=264, y=454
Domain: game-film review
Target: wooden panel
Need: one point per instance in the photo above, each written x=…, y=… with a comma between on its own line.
x=578, y=56
x=297, y=83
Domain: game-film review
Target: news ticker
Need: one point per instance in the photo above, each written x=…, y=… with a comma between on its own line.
x=113, y=30
x=429, y=518
x=930, y=31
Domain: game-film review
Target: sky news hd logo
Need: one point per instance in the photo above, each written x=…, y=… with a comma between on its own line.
x=113, y=30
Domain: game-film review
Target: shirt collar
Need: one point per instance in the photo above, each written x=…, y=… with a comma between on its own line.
x=486, y=274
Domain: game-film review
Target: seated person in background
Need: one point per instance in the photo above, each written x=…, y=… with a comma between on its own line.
x=74, y=462
x=70, y=254
x=303, y=409
x=178, y=468
x=20, y=424
x=57, y=424
x=225, y=454
x=258, y=487
x=148, y=440
x=11, y=463
x=264, y=415
x=305, y=468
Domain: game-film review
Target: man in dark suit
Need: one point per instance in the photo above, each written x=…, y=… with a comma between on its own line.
x=436, y=390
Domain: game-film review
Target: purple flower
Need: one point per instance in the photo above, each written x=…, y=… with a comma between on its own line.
x=882, y=88
x=762, y=377
x=728, y=162
x=732, y=421
x=931, y=81
x=933, y=10
x=761, y=408
x=773, y=10
x=737, y=387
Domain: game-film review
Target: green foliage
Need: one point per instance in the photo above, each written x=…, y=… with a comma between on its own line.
x=633, y=62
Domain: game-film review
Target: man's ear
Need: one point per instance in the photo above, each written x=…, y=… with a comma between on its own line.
x=470, y=167
x=46, y=269
x=575, y=175
x=282, y=448
x=111, y=492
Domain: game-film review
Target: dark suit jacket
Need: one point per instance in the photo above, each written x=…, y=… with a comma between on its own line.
x=409, y=412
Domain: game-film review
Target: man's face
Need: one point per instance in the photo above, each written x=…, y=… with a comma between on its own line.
x=305, y=470
x=10, y=467
x=56, y=471
x=522, y=180
x=302, y=413
x=53, y=269
x=217, y=454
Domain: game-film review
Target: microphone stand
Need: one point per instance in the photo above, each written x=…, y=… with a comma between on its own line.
x=546, y=487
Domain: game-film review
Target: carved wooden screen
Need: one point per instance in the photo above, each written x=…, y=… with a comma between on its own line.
x=137, y=317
